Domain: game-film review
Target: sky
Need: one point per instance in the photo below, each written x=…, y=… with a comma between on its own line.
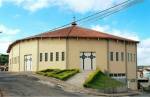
x=23, y=18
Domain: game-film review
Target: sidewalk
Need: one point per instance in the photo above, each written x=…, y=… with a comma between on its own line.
x=73, y=88
x=79, y=78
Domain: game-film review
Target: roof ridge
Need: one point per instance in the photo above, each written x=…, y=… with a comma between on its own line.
x=71, y=28
x=52, y=31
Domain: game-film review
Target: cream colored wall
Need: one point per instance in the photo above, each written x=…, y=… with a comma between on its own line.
x=87, y=45
x=52, y=45
x=28, y=48
x=14, y=66
x=117, y=66
x=131, y=67
x=20, y=50
x=10, y=61
x=120, y=66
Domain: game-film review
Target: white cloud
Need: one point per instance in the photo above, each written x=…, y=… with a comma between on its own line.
x=6, y=37
x=32, y=5
x=80, y=6
x=5, y=41
x=121, y=33
x=104, y=28
x=143, y=47
x=144, y=52
x=83, y=6
x=8, y=31
x=1, y=1
x=4, y=45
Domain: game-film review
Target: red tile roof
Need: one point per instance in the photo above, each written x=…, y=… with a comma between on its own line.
x=73, y=32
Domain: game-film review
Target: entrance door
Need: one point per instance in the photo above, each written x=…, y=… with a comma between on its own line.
x=88, y=60
x=28, y=62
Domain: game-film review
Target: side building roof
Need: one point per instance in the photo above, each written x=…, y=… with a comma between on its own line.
x=73, y=32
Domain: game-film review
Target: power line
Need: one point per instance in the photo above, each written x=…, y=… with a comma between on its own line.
x=103, y=13
x=106, y=14
x=109, y=9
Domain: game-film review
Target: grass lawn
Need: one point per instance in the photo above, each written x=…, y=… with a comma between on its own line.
x=99, y=80
x=59, y=74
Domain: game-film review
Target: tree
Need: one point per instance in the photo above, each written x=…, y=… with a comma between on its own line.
x=4, y=59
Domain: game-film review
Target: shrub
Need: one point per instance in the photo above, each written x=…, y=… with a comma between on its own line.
x=99, y=80
x=46, y=70
x=59, y=74
x=90, y=78
x=67, y=74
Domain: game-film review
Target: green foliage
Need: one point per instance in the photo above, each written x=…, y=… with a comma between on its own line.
x=47, y=70
x=4, y=59
x=91, y=77
x=59, y=74
x=99, y=80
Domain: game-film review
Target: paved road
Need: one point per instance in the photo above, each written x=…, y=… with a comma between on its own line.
x=20, y=85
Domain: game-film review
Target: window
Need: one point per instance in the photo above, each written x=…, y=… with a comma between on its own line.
x=128, y=57
x=131, y=57
x=123, y=74
x=115, y=75
x=119, y=74
x=63, y=56
x=51, y=56
x=57, y=56
x=117, y=56
x=40, y=57
x=111, y=75
x=46, y=56
x=134, y=58
x=122, y=56
x=111, y=56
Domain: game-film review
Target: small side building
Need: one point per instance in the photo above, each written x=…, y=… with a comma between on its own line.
x=75, y=47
